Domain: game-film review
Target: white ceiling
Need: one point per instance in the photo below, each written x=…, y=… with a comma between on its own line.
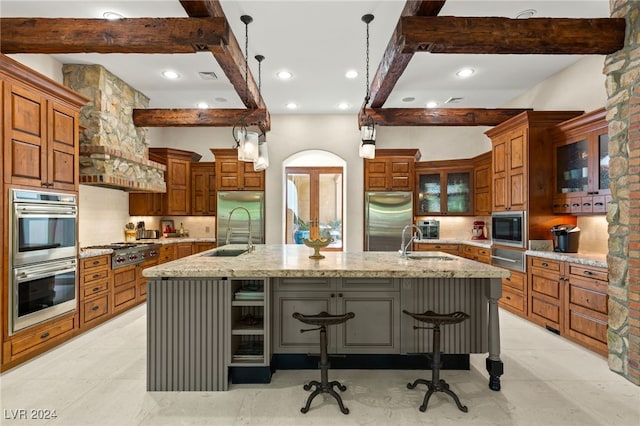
x=318, y=41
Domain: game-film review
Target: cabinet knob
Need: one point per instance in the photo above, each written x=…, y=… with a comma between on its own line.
x=333, y=295
x=339, y=294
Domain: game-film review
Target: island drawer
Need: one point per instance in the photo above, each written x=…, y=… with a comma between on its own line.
x=309, y=284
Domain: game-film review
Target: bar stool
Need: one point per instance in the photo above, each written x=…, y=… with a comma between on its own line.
x=322, y=320
x=436, y=384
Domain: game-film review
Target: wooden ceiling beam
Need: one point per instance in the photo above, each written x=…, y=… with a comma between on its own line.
x=136, y=35
x=197, y=117
x=439, y=116
x=394, y=61
x=494, y=35
x=230, y=57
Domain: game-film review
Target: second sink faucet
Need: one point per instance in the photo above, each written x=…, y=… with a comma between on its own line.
x=250, y=245
x=403, y=246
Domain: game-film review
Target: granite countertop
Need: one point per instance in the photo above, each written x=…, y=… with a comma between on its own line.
x=278, y=260
x=598, y=260
x=477, y=243
x=85, y=252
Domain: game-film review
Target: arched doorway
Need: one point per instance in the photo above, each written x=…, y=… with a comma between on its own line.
x=314, y=198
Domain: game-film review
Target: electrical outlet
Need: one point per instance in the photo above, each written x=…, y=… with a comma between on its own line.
x=207, y=229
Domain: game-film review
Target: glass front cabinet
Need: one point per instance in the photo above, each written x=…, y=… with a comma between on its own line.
x=443, y=192
x=581, y=164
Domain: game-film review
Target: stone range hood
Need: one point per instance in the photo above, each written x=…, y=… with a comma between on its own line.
x=114, y=153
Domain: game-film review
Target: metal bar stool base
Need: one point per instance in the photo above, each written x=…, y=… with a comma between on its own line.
x=441, y=386
x=322, y=320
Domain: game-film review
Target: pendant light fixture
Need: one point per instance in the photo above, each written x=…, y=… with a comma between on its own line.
x=263, y=154
x=246, y=142
x=368, y=129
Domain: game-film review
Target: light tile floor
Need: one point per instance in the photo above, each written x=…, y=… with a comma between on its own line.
x=99, y=379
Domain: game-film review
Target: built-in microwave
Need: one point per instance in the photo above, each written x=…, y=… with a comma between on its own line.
x=509, y=228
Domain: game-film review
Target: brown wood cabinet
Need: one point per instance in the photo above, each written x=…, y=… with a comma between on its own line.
x=95, y=290
x=141, y=281
x=199, y=247
x=447, y=248
x=581, y=160
x=167, y=253
x=177, y=200
x=514, y=293
x=391, y=170
x=482, y=178
x=183, y=250
x=203, y=189
x=521, y=168
x=234, y=175
x=444, y=188
x=586, y=306
x=40, y=122
x=571, y=299
x=124, y=288
x=479, y=254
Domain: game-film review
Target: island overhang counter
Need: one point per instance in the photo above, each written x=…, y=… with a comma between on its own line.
x=208, y=314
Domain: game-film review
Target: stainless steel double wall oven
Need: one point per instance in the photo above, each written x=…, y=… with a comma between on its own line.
x=42, y=256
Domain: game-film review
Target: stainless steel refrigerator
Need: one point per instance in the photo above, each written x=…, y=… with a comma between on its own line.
x=386, y=214
x=253, y=201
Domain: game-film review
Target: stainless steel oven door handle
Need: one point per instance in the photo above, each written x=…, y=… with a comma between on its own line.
x=39, y=271
x=504, y=258
x=23, y=276
x=49, y=211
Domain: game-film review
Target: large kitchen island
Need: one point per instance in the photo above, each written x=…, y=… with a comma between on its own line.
x=228, y=312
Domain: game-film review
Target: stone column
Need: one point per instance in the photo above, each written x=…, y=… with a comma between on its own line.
x=622, y=69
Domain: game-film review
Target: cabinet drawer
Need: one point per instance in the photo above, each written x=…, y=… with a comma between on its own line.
x=545, y=286
x=95, y=308
x=588, y=298
x=308, y=284
x=545, y=309
x=124, y=296
x=588, y=272
x=515, y=281
x=124, y=276
x=582, y=323
x=550, y=265
x=369, y=284
x=513, y=299
x=94, y=262
x=94, y=288
x=30, y=341
x=93, y=275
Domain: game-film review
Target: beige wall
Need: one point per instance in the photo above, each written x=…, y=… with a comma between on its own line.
x=578, y=87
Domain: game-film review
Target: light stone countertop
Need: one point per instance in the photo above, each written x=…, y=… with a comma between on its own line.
x=477, y=243
x=86, y=253
x=278, y=260
x=598, y=260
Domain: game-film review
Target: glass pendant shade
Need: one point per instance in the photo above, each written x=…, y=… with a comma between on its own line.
x=368, y=149
x=248, y=146
x=263, y=157
x=368, y=145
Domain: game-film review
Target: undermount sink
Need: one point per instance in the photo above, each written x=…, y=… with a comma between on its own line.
x=226, y=253
x=415, y=256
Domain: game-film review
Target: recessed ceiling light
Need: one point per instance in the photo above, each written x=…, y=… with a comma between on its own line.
x=465, y=72
x=112, y=16
x=220, y=99
x=170, y=74
x=351, y=74
x=432, y=104
x=408, y=99
x=526, y=14
x=284, y=75
x=203, y=105
x=344, y=105
x=292, y=105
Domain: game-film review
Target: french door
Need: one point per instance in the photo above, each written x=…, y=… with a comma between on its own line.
x=314, y=204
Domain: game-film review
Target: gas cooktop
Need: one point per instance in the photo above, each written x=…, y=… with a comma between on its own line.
x=129, y=253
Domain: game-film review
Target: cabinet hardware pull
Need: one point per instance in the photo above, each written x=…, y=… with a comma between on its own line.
x=339, y=294
x=95, y=308
x=333, y=295
x=96, y=262
x=586, y=204
x=44, y=335
x=588, y=273
x=599, y=204
x=565, y=205
x=508, y=278
x=575, y=205
x=96, y=289
x=96, y=276
x=508, y=297
x=545, y=264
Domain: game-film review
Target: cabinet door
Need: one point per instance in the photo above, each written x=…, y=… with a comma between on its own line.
x=251, y=180
x=287, y=337
x=482, y=190
x=203, y=195
x=178, y=185
x=401, y=175
x=376, y=172
x=228, y=174
x=376, y=325
x=459, y=193
x=517, y=161
x=184, y=249
x=62, y=146
x=430, y=193
x=25, y=147
x=499, y=165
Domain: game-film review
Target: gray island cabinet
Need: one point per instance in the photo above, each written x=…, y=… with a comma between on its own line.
x=209, y=315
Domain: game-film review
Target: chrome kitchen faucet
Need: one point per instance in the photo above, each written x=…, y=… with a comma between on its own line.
x=250, y=245
x=403, y=246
